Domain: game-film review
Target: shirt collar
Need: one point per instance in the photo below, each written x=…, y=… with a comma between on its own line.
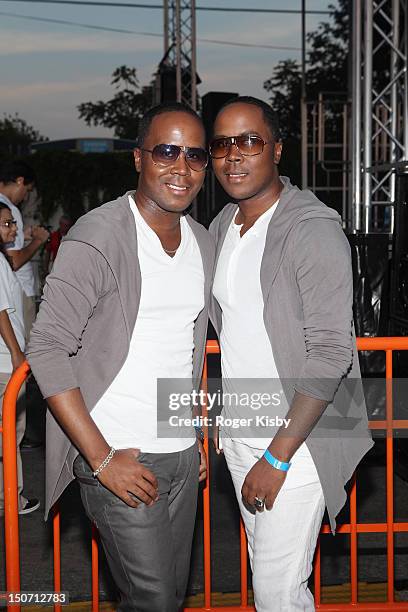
x=259, y=224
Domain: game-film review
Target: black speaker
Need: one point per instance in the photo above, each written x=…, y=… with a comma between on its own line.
x=370, y=260
x=168, y=86
x=399, y=267
x=168, y=81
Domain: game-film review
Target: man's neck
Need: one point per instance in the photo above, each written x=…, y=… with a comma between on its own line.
x=250, y=210
x=157, y=218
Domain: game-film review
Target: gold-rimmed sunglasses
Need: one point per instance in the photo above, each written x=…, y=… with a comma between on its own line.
x=247, y=145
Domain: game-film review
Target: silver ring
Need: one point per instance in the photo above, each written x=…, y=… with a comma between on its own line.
x=259, y=503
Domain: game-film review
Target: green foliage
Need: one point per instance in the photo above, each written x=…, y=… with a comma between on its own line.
x=125, y=109
x=285, y=86
x=326, y=71
x=16, y=135
x=78, y=182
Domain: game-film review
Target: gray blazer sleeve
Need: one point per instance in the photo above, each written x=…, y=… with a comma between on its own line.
x=71, y=293
x=322, y=267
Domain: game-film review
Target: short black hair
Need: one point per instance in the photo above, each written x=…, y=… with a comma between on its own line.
x=269, y=115
x=160, y=109
x=10, y=171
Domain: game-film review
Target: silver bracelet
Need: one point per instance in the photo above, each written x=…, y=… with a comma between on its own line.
x=104, y=462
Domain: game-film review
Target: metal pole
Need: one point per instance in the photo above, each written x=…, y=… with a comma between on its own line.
x=193, y=69
x=344, y=170
x=393, y=151
x=314, y=146
x=303, y=104
x=368, y=112
x=178, y=52
x=193, y=57
x=320, y=128
x=355, y=139
x=166, y=25
x=404, y=156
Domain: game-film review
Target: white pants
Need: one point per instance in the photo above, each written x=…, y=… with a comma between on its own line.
x=281, y=541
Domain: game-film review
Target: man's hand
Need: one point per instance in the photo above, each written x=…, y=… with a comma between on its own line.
x=17, y=358
x=202, y=474
x=262, y=481
x=127, y=478
x=40, y=233
x=28, y=232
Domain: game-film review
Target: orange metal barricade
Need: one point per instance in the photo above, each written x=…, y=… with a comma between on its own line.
x=353, y=527
x=11, y=535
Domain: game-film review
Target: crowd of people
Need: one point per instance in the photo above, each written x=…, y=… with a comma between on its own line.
x=123, y=321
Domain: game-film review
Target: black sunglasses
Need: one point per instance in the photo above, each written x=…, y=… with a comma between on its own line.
x=246, y=145
x=167, y=154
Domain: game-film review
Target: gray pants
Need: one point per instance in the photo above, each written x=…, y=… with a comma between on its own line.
x=148, y=548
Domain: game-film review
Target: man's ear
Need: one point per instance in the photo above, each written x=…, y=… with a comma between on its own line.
x=137, y=154
x=277, y=152
x=20, y=180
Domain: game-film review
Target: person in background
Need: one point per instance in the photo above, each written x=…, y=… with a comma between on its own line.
x=12, y=343
x=16, y=181
x=52, y=246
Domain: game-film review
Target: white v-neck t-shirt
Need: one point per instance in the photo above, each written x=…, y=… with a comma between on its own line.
x=162, y=343
x=246, y=351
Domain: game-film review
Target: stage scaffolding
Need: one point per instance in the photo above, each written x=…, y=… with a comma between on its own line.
x=379, y=111
x=359, y=169
x=180, y=47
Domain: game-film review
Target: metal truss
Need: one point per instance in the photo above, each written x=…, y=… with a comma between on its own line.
x=379, y=138
x=180, y=47
x=327, y=148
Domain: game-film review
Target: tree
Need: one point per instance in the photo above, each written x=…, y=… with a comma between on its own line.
x=285, y=86
x=16, y=135
x=327, y=69
x=124, y=110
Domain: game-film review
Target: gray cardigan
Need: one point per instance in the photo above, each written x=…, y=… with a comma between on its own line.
x=89, y=308
x=307, y=284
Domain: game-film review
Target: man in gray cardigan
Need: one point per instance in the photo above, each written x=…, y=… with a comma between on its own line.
x=125, y=305
x=282, y=308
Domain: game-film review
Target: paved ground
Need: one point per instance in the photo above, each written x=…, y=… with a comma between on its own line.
x=36, y=535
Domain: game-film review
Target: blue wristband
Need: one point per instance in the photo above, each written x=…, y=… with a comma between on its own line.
x=279, y=465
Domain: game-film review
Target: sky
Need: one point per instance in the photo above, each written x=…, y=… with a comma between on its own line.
x=47, y=69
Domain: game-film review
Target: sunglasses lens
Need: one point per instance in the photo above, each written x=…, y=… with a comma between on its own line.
x=197, y=158
x=165, y=153
x=250, y=145
x=247, y=145
x=219, y=147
